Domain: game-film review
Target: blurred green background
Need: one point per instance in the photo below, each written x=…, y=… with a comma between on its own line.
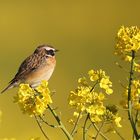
x=83, y=30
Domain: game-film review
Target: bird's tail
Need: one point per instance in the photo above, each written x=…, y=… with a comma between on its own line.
x=12, y=84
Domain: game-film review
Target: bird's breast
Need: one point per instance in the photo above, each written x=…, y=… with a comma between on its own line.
x=43, y=72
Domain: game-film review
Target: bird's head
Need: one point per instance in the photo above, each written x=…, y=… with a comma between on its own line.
x=48, y=49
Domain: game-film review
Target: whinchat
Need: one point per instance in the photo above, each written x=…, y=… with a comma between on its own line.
x=35, y=68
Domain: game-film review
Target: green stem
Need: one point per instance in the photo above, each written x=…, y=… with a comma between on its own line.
x=135, y=122
x=69, y=137
x=76, y=125
x=99, y=130
x=117, y=132
x=41, y=128
x=130, y=117
x=94, y=85
x=84, y=127
x=47, y=122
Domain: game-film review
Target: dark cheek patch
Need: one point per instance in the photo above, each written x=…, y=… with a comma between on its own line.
x=50, y=52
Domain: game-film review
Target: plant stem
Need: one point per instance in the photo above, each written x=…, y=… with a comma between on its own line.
x=136, y=119
x=41, y=128
x=75, y=125
x=117, y=132
x=99, y=130
x=84, y=127
x=69, y=137
x=94, y=85
x=46, y=122
x=130, y=117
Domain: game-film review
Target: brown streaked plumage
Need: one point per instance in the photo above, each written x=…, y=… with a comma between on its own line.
x=35, y=68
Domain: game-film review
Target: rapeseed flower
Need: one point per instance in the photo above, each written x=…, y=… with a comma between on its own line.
x=128, y=40
x=88, y=99
x=33, y=101
x=135, y=95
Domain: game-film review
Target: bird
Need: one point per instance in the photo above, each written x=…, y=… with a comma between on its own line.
x=38, y=66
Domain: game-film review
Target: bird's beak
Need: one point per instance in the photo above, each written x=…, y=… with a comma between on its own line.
x=56, y=50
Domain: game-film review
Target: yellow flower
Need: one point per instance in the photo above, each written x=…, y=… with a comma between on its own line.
x=76, y=114
x=86, y=99
x=106, y=84
x=71, y=121
x=93, y=75
x=83, y=81
x=103, y=80
x=136, y=67
x=80, y=97
x=111, y=115
x=101, y=96
x=128, y=58
x=95, y=118
x=96, y=109
x=135, y=95
x=128, y=40
x=117, y=121
x=33, y=101
x=109, y=91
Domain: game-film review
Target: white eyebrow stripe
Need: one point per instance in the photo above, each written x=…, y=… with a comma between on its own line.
x=49, y=48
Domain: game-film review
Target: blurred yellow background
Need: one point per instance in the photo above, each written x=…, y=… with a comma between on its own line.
x=83, y=30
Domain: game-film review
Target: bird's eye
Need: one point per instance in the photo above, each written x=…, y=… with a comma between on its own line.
x=50, y=52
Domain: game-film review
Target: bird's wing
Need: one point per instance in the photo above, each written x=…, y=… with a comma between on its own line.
x=30, y=64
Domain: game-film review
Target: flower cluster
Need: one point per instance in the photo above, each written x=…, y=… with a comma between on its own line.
x=111, y=115
x=136, y=67
x=128, y=40
x=103, y=80
x=87, y=99
x=135, y=95
x=33, y=101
